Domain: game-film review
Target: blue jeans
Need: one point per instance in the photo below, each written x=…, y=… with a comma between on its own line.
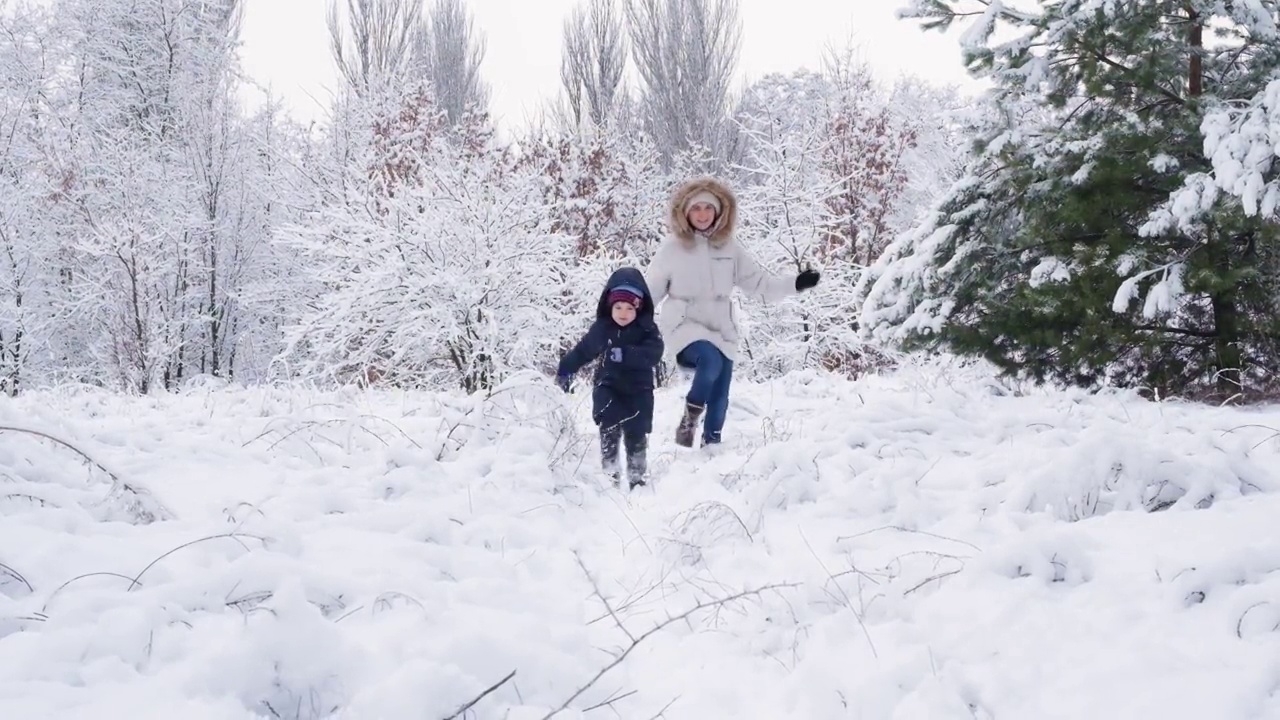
x=713, y=372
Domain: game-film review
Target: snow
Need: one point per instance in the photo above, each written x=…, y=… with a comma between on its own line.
x=976, y=35
x=1242, y=143
x=1162, y=297
x=947, y=545
x=1049, y=269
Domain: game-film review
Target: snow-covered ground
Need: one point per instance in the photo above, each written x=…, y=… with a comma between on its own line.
x=927, y=544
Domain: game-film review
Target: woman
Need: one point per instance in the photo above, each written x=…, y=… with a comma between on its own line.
x=695, y=270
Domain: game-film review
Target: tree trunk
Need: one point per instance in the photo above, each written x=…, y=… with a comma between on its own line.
x=1226, y=319
x=180, y=311
x=215, y=315
x=1195, y=79
x=1228, y=357
x=15, y=348
x=1226, y=312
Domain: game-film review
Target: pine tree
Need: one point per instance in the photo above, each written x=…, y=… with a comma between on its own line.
x=1079, y=199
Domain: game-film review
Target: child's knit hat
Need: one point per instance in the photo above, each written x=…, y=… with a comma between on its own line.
x=628, y=294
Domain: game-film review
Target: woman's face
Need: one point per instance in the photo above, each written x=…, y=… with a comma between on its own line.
x=701, y=215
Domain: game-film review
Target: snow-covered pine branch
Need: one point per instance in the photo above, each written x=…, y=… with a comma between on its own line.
x=1112, y=162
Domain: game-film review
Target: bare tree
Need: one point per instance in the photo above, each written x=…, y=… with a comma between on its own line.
x=143, y=137
x=212, y=141
x=382, y=42
x=449, y=51
x=686, y=52
x=592, y=60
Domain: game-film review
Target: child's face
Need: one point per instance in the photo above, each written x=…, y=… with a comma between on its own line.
x=624, y=313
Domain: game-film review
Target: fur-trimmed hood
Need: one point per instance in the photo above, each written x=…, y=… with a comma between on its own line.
x=626, y=276
x=726, y=222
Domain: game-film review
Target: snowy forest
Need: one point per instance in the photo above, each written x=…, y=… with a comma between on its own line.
x=282, y=437
x=1105, y=214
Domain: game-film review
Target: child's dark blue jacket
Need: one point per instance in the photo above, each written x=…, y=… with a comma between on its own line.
x=623, y=392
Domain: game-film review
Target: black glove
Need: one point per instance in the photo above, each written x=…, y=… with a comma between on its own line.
x=806, y=279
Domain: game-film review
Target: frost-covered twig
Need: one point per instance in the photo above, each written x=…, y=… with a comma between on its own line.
x=77, y=578
x=471, y=703
x=250, y=601
x=930, y=579
x=848, y=601
x=1243, y=615
x=398, y=429
x=709, y=510
x=385, y=600
x=156, y=511
x=323, y=423
x=444, y=444
x=930, y=553
x=16, y=576
x=900, y=528
x=234, y=536
x=568, y=441
x=610, y=701
x=638, y=639
x=135, y=581
x=595, y=589
x=633, y=598
x=1250, y=425
x=632, y=523
x=663, y=712
x=27, y=496
x=732, y=479
x=38, y=433
x=230, y=513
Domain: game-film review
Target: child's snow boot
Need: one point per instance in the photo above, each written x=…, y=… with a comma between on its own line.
x=609, y=440
x=637, y=460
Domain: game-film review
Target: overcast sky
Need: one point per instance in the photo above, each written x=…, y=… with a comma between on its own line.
x=285, y=46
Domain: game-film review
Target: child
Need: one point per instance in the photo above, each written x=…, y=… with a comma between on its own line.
x=625, y=334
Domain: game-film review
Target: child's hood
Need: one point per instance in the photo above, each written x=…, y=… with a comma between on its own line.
x=625, y=276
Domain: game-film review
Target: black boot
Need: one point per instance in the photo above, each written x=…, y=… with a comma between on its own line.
x=688, y=424
x=637, y=462
x=609, y=438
